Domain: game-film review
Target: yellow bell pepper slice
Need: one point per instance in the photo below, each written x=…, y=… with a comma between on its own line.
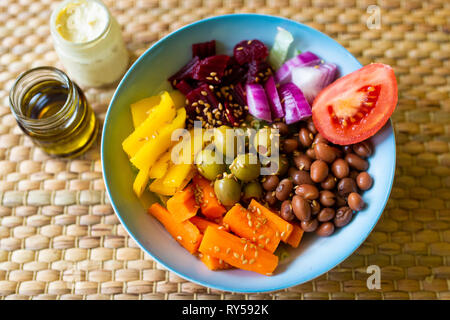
x=141, y=109
x=158, y=187
x=140, y=182
x=159, y=169
x=177, y=174
x=157, y=119
x=152, y=150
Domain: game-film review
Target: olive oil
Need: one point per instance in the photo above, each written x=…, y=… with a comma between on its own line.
x=54, y=112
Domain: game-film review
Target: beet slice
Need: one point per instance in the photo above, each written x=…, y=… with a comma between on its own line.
x=201, y=102
x=258, y=72
x=185, y=72
x=184, y=87
x=250, y=50
x=204, y=49
x=238, y=94
x=211, y=69
x=234, y=72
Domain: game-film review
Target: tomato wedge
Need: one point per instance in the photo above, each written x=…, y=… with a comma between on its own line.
x=356, y=106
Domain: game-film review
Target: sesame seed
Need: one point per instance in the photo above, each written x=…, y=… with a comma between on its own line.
x=251, y=261
x=283, y=234
x=236, y=255
x=250, y=224
x=267, y=240
x=249, y=42
x=244, y=261
x=228, y=250
x=179, y=238
x=216, y=249
x=240, y=48
x=204, y=93
x=261, y=237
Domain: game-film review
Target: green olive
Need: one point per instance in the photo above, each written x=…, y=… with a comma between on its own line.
x=252, y=190
x=208, y=165
x=264, y=139
x=225, y=143
x=246, y=167
x=227, y=190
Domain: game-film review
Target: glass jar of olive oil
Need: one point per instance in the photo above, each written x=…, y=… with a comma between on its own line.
x=53, y=111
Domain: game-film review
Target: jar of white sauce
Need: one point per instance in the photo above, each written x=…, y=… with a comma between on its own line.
x=89, y=42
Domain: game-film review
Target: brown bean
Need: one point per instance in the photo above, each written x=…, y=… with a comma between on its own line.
x=355, y=201
x=315, y=207
x=340, y=201
x=283, y=189
x=353, y=174
x=289, y=145
x=340, y=168
x=310, y=126
x=343, y=216
x=310, y=153
x=347, y=149
x=327, y=198
x=319, y=139
x=286, y=211
x=307, y=191
x=319, y=171
x=324, y=152
x=364, y=149
x=356, y=162
x=305, y=137
x=270, y=198
x=301, y=177
x=325, y=229
x=270, y=183
x=301, y=208
x=326, y=214
x=329, y=183
x=302, y=161
x=364, y=181
x=309, y=226
x=346, y=186
x=282, y=128
x=338, y=151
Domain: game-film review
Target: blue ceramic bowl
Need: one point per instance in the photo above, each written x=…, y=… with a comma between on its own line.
x=147, y=77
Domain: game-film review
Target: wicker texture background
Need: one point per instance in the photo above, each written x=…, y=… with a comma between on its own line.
x=60, y=239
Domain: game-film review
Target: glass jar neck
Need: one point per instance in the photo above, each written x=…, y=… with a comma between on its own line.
x=29, y=80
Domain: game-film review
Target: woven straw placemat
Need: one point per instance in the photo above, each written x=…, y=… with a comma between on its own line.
x=60, y=239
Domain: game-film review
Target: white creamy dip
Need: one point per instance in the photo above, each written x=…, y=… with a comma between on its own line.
x=81, y=21
x=89, y=42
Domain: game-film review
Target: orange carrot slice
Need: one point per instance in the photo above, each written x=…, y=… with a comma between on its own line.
x=296, y=236
x=252, y=226
x=182, y=205
x=206, y=198
x=210, y=262
x=186, y=233
x=202, y=223
x=238, y=252
x=281, y=225
x=214, y=263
